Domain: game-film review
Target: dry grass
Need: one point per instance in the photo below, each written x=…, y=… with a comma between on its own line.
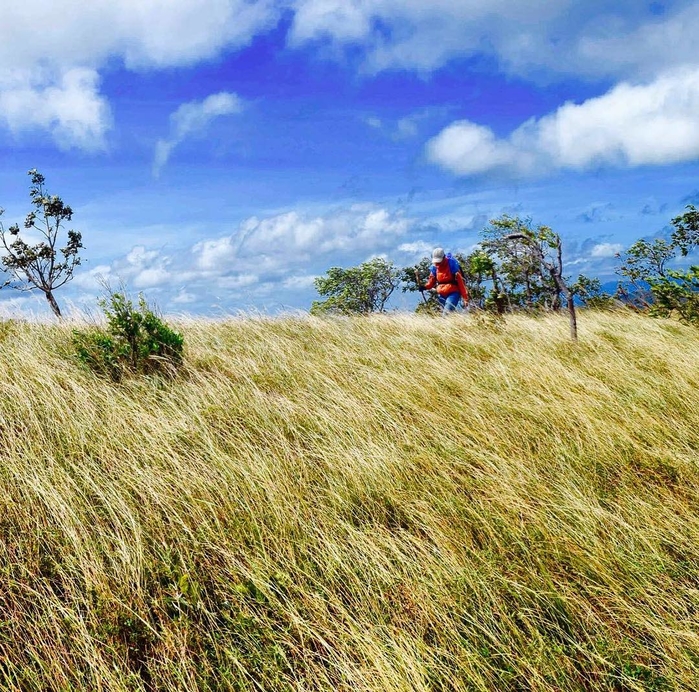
x=396, y=503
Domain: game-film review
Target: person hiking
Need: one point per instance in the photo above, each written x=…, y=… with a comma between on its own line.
x=446, y=275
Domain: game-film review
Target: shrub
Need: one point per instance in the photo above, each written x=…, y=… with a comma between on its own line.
x=136, y=339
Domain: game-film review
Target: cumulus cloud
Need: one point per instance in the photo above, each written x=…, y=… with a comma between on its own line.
x=466, y=148
x=262, y=255
x=49, y=71
x=143, y=33
x=141, y=268
x=418, y=247
x=524, y=37
x=626, y=38
x=294, y=238
x=71, y=109
x=631, y=125
x=656, y=45
x=191, y=118
x=605, y=250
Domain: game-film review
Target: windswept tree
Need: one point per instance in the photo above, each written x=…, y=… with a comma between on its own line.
x=413, y=278
x=661, y=289
x=546, y=249
x=362, y=289
x=686, y=233
x=482, y=268
x=642, y=263
x=42, y=266
x=589, y=292
x=508, y=241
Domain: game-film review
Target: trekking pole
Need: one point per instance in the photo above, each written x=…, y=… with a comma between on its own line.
x=422, y=291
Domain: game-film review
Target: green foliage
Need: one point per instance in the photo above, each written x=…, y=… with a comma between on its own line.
x=413, y=279
x=590, y=293
x=98, y=351
x=518, y=251
x=136, y=340
x=42, y=266
x=362, y=289
x=483, y=268
x=686, y=233
x=643, y=259
x=666, y=292
x=677, y=293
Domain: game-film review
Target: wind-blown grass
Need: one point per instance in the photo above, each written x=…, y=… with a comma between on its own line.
x=390, y=503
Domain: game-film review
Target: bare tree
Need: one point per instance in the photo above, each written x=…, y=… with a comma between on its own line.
x=41, y=266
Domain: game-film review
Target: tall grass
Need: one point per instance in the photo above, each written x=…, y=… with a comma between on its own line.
x=390, y=503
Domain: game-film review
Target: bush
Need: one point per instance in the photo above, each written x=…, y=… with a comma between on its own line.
x=135, y=340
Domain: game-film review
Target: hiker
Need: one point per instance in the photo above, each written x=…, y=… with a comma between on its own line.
x=445, y=274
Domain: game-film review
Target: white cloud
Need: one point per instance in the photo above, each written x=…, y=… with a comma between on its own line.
x=140, y=268
x=184, y=298
x=466, y=148
x=648, y=48
x=71, y=110
x=361, y=227
x=418, y=247
x=625, y=38
x=286, y=251
x=51, y=52
x=299, y=282
x=143, y=33
x=604, y=250
x=49, y=67
x=421, y=34
x=631, y=125
x=192, y=118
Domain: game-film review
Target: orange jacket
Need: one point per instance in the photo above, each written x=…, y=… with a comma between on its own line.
x=446, y=282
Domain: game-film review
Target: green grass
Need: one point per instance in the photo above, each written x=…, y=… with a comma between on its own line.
x=389, y=503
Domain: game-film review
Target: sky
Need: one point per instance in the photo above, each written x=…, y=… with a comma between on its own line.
x=219, y=155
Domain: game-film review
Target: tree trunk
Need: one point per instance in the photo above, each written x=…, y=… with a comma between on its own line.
x=499, y=303
x=53, y=304
x=572, y=316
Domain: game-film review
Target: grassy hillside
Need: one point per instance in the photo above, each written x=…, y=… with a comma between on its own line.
x=397, y=503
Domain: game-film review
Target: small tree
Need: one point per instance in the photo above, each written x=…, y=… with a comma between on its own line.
x=643, y=261
x=136, y=339
x=507, y=241
x=413, y=278
x=589, y=292
x=544, y=237
x=361, y=289
x=657, y=288
x=677, y=293
x=484, y=268
x=41, y=266
x=686, y=233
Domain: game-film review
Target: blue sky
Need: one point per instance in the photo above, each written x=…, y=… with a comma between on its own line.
x=220, y=154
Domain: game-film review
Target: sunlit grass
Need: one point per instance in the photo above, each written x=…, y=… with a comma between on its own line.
x=390, y=503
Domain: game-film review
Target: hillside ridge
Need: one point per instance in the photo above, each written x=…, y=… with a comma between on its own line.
x=384, y=503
